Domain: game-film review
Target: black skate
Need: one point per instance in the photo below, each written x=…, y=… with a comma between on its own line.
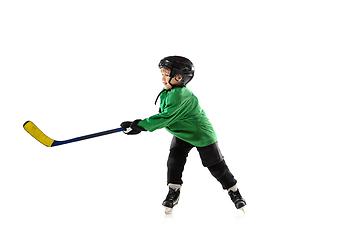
x=237, y=199
x=171, y=200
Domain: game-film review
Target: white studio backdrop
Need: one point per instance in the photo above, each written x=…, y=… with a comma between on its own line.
x=279, y=80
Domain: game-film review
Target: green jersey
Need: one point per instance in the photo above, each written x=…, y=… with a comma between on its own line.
x=181, y=115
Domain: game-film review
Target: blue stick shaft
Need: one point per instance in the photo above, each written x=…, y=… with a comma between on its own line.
x=57, y=143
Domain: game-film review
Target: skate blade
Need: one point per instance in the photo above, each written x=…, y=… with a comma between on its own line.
x=242, y=209
x=168, y=210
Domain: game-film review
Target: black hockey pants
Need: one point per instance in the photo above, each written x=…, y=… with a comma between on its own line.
x=210, y=156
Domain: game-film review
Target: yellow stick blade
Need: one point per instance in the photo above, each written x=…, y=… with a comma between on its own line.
x=34, y=131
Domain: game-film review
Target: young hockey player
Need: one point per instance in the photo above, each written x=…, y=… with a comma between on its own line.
x=181, y=115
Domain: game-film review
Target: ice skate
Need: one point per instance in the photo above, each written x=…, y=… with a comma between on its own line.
x=237, y=199
x=171, y=200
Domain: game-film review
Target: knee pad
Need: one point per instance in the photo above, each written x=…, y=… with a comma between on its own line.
x=218, y=170
x=177, y=158
x=222, y=173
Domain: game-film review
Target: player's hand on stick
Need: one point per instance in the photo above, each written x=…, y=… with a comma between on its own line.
x=131, y=127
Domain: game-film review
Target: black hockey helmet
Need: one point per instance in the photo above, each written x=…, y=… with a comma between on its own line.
x=179, y=65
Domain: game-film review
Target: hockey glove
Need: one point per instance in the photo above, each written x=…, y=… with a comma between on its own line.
x=132, y=128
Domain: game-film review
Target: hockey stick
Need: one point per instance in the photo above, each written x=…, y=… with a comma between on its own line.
x=34, y=131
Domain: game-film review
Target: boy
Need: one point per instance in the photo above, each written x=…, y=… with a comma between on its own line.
x=182, y=116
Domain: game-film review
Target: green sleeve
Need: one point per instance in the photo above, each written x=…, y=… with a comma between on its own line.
x=175, y=109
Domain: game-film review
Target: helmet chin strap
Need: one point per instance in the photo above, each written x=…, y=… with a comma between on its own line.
x=172, y=75
x=172, y=87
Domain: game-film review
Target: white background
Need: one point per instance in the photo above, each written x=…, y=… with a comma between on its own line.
x=279, y=81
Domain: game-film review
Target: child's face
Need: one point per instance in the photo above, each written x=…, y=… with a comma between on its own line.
x=166, y=78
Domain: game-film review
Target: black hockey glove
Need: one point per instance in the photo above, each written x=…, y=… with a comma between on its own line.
x=131, y=128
